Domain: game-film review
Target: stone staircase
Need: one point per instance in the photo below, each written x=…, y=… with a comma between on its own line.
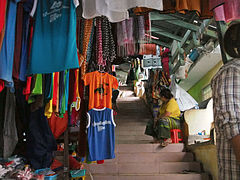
x=149, y=161
x=138, y=159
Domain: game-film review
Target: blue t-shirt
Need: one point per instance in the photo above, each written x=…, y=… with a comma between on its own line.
x=54, y=47
x=7, y=50
x=101, y=137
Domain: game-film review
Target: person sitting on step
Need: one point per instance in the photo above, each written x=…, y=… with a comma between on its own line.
x=168, y=118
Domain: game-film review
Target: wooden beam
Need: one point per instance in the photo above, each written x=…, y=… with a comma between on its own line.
x=184, y=40
x=173, y=20
x=162, y=32
x=160, y=43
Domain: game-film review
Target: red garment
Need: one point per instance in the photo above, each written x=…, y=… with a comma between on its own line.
x=56, y=164
x=1, y=85
x=100, y=162
x=74, y=116
x=27, y=89
x=147, y=49
x=58, y=125
x=72, y=86
x=165, y=62
x=56, y=91
x=73, y=163
x=80, y=85
x=3, y=4
x=18, y=41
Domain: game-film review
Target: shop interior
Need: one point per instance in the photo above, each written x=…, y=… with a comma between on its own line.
x=70, y=70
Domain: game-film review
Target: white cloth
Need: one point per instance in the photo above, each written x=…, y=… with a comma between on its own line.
x=116, y=11
x=185, y=101
x=124, y=5
x=94, y=8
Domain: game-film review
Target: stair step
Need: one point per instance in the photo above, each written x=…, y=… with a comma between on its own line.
x=154, y=167
x=178, y=147
x=178, y=167
x=202, y=176
x=128, y=127
x=122, y=141
x=130, y=133
x=150, y=157
x=133, y=137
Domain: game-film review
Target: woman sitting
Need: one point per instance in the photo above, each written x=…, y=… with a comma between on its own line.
x=168, y=118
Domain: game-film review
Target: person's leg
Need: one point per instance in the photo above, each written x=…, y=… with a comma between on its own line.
x=163, y=131
x=150, y=131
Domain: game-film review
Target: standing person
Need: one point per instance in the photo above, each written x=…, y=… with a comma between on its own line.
x=168, y=118
x=226, y=106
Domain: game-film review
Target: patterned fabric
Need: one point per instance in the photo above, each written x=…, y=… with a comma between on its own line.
x=88, y=27
x=99, y=51
x=226, y=99
x=162, y=128
x=108, y=44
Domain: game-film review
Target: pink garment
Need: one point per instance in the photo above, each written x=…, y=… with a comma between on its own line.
x=126, y=44
x=232, y=10
x=229, y=11
x=214, y=3
x=100, y=59
x=141, y=27
x=219, y=13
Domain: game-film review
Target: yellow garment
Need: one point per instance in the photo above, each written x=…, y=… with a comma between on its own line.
x=172, y=107
x=48, y=109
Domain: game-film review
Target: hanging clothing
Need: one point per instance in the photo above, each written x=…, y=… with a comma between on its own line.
x=18, y=41
x=82, y=140
x=37, y=90
x=3, y=5
x=2, y=33
x=40, y=141
x=124, y=5
x=85, y=42
x=190, y=5
x=215, y=3
x=7, y=50
x=58, y=125
x=101, y=137
x=183, y=6
x=2, y=116
x=94, y=8
x=165, y=62
x=10, y=136
x=54, y=40
x=231, y=10
x=2, y=85
x=26, y=39
x=100, y=89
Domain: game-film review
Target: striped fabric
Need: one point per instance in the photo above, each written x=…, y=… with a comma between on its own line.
x=226, y=99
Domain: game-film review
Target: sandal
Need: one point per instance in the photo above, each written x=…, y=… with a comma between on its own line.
x=166, y=142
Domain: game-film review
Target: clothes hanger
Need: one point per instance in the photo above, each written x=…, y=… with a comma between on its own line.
x=101, y=69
